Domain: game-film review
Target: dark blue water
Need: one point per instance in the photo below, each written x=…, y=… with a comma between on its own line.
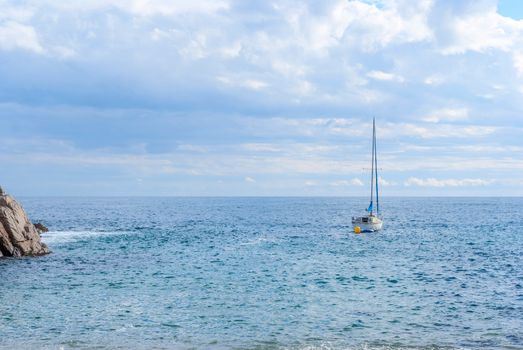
x=267, y=273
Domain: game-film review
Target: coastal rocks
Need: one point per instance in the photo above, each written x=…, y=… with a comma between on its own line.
x=18, y=236
x=41, y=228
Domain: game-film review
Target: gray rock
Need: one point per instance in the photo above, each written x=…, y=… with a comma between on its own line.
x=41, y=228
x=18, y=236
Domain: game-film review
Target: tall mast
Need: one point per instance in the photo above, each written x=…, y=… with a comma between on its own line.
x=372, y=168
x=376, y=168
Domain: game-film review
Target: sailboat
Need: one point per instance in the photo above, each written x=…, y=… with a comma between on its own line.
x=372, y=221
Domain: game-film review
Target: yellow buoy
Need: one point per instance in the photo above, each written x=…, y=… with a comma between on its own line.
x=357, y=230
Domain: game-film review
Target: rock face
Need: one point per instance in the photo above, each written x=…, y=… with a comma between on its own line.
x=18, y=236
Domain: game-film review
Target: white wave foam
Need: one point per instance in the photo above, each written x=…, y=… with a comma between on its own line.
x=365, y=346
x=257, y=240
x=55, y=237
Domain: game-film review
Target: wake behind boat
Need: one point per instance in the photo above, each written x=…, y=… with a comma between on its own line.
x=372, y=221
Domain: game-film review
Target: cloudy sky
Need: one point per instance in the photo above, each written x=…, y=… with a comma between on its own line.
x=226, y=97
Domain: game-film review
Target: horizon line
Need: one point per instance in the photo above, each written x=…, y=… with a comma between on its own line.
x=262, y=196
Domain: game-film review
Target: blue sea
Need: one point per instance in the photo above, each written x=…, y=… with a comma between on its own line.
x=267, y=273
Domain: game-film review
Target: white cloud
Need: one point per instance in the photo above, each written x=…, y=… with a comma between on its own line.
x=262, y=147
x=434, y=80
x=305, y=52
x=10, y=12
x=62, y=52
x=447, y=114
x=170, y=7
x=158, y=34
x=196, y=47
x=384, y=182
x=352, y=182
x=141, y=8
x=489, y=149
x=297, y=76
x=232, y=50
x=254, y=84
x=14, y=35
x=379, y=75
x=193, y=148
x=251, y=84
x=433, y=182
x=374, y=28
x=249, y=179
x=303, y=88
x=482, y=30
x=436, y=131
x=354, y=127
x=518, y=62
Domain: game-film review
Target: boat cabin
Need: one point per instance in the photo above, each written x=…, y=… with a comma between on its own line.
x=371, y=219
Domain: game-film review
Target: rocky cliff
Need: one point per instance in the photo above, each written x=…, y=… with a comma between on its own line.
x=18, y=236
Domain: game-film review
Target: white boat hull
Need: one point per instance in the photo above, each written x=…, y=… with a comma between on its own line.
x=367, y=223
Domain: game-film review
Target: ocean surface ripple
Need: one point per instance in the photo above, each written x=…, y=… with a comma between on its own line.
x=267, y=273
